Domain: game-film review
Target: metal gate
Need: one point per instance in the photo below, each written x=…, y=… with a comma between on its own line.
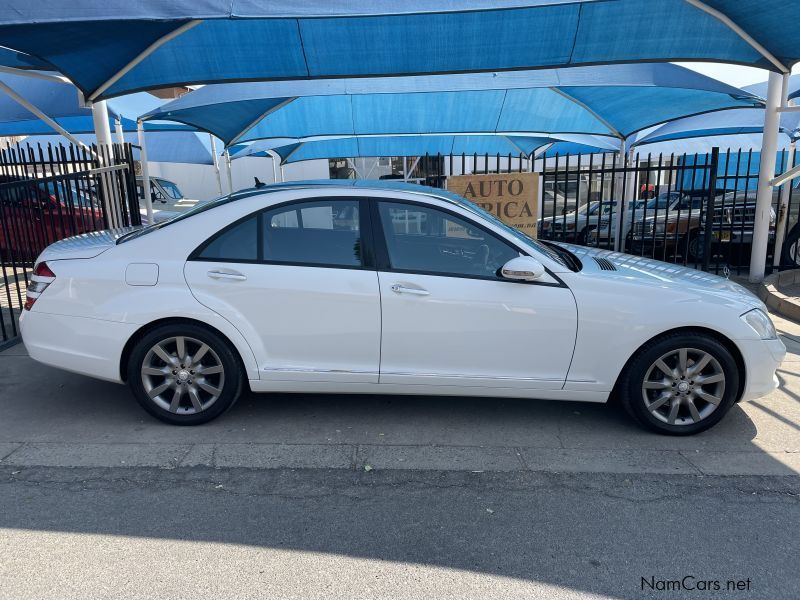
x=50, y=193
x=695, y=210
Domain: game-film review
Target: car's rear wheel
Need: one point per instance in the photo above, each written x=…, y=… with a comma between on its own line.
x=184, y=374
x=680, y=384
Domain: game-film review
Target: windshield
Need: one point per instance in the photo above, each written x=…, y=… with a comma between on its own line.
x=170, y=188
x=67, y=193
x=663, y=200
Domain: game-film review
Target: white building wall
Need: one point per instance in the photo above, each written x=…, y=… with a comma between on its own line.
x=199, y=182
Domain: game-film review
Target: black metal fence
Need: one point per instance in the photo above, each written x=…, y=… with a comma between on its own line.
x=696, y=210
x=50, y=193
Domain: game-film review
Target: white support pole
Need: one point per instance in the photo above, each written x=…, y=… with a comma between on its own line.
x=228, y=170
x=148, y=199
x=621, y=193
x=216, y=163
x=766, y=171
x=119, y=132
x=102, y=131
x=101, y=127
x=783, y=209
x=405, y=169
x=631, y=193
x=274, y=157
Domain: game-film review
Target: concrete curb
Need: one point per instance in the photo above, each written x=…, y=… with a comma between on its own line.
x=769, y=292
x=366, y=457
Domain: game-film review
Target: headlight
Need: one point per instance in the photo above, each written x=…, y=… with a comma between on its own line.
x=761, y=324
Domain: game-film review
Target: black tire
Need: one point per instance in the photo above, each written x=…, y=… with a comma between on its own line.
x=791, y=248
x=219, y=353
x=632, y=395
x=582, y=239
x=694, y=247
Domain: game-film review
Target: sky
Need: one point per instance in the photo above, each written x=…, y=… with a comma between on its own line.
x=735, y=75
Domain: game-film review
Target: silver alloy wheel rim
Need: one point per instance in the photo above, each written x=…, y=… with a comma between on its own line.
x=183, y=375
x=793, y=253
x=683, y=386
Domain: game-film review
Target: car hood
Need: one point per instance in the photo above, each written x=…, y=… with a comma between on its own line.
x=645, y=271
x=86, y=245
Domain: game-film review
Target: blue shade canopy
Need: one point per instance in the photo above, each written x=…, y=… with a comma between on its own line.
x=20, y=60
x=564, y=148
x=113, y=47
x=730, y=122
x=166, y=146
x=415, y=145
x=760, y=89
x=614, y=101
x=60, y=101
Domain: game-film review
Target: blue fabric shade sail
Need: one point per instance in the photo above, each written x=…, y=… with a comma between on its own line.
x=760, y=89
x=60, y=101
x=612, y=101
x=167, y=146
x=114, y=47
x=729, y=122
x=20, y=60
x=417, y=145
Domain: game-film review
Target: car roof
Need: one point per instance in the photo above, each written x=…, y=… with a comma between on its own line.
x=378, y=185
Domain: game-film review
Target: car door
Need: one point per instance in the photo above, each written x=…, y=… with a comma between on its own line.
x=449, y=319
x=298, y=282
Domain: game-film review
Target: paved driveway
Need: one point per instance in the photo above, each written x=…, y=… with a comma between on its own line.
x=406, y=498
x=52, y=418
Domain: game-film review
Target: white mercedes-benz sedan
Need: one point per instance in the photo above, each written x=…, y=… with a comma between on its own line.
x=359, y=287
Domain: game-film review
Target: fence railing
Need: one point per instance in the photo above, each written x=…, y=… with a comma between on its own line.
x=50, y=193
x=696, y=210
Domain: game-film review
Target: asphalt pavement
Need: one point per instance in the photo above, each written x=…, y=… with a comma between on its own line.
x=320, y=496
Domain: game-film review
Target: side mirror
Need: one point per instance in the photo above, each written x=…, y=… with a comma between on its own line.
x=523, y=268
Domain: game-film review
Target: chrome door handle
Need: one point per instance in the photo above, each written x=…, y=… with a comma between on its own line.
x=401, y=289
x=227, y=275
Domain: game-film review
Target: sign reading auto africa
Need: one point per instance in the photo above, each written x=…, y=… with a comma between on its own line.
x=512, y=197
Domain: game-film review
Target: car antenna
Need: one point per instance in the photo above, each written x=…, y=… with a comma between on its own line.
x=259, y=183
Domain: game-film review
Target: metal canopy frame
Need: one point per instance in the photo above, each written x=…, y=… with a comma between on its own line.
x=776, y=103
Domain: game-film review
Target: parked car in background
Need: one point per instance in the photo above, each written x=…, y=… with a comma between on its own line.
x=732, y=225
x=668, y=223
x=325, y=287
x=575, y=225
x=163, y=191
x=38, y=213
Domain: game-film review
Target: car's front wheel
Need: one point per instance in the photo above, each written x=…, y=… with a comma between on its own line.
x=680, y=383
x=184, y=374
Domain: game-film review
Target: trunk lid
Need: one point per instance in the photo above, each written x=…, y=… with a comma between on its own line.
x=86, y=245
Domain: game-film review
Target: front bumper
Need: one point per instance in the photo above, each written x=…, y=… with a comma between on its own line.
x=761, y=358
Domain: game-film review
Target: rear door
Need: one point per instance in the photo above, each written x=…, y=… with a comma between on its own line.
x=299, y=283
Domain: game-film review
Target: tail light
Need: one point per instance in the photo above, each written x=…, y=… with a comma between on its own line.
x=42, y=277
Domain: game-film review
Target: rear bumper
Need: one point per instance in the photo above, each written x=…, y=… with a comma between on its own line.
x=761, y=359
x=82, y=345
